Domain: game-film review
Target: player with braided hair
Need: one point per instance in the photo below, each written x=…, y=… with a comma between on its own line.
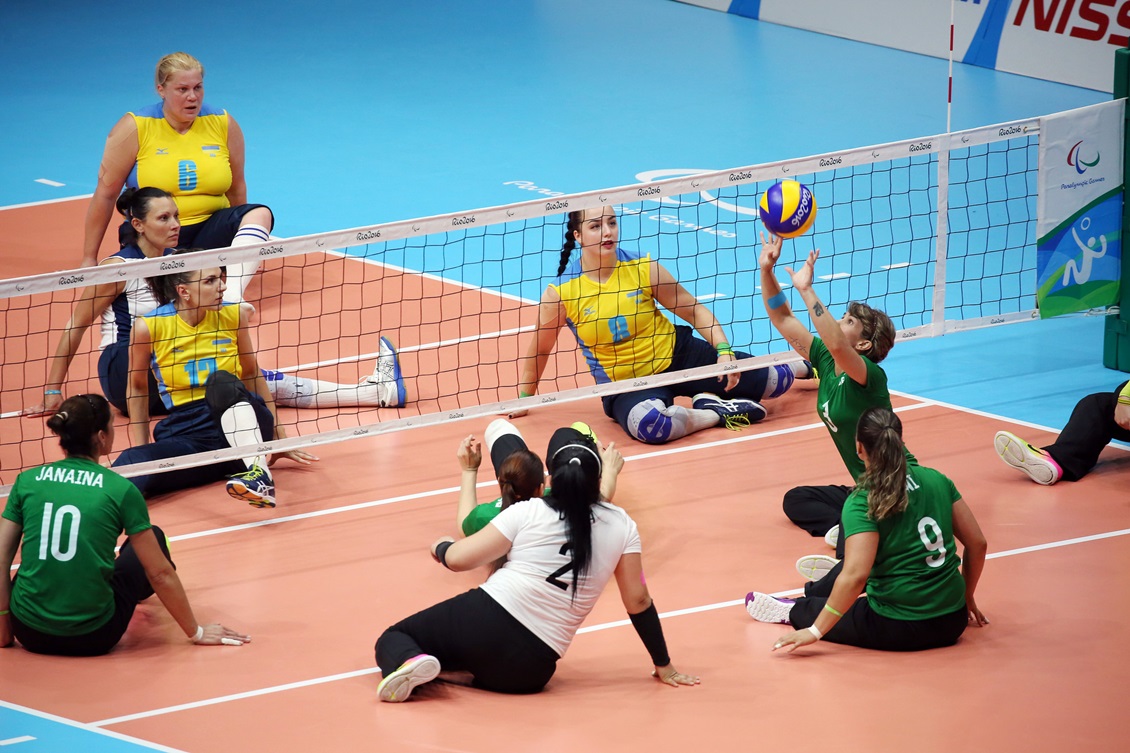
x=607, y=297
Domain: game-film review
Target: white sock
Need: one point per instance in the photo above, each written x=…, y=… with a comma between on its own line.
x=239, y=275
x=241, y=428
x=297, y=392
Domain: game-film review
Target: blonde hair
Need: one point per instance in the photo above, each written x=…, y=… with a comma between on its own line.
x=175, y=62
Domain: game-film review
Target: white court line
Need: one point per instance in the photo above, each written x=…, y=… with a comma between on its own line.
x=48, y=182
x=45, y=201
x=408, y=349
x=592, y=629
x=897, y=265
x=15, y=740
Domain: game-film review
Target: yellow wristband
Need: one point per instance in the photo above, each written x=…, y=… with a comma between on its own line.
x=828, y=608
x=4, y=612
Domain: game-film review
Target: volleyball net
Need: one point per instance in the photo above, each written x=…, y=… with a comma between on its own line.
x=939, y=232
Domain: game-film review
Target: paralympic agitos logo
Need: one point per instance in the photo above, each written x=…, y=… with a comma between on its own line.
x=1075, y=159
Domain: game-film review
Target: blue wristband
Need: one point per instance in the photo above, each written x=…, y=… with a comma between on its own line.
x=777, y=301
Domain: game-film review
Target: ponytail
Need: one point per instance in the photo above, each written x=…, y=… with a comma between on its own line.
x=520, y=477
x=880, y=433
x=576, y=488
x=77, y=422
x=572, y=225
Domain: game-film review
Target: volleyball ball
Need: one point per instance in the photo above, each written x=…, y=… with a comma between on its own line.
x=788, y=209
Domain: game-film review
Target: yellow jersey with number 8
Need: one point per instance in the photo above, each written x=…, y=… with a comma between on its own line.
x=617, y=325
x=194, y=167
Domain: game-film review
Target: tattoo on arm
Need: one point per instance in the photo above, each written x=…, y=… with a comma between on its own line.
x=799, y=348
x=817, y=310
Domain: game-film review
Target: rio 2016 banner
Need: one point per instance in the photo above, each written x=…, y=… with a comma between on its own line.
x=1079, y=209
x=1069, y=41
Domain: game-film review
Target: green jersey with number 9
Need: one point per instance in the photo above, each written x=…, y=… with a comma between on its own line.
x=72, y=512
x=917, y=573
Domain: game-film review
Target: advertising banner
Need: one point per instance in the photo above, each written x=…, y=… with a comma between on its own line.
x=1070, y=41
x=1079, y=209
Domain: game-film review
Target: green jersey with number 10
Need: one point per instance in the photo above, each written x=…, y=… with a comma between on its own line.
x=72, y=513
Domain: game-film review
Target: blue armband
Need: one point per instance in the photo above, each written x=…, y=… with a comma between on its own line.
x=777, y=301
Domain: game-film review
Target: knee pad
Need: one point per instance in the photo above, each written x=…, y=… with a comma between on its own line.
x=222, y=390
x=780, y=378
x=651, y=422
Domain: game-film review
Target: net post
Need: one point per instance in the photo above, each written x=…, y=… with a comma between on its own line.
x=1116, y=337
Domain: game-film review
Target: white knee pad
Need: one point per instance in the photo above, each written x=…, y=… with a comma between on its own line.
x=655, y=423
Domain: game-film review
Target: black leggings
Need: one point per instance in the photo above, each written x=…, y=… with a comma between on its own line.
x=817, y=509
x=862, y=626
x=472, y=633
x=130, y=585
x=1088, y=431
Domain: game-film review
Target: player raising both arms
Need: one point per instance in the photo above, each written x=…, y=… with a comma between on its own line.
x=846, y=355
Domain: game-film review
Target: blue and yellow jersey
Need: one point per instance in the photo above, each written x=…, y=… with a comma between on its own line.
x=617, y=325
x=184, y=356
x=194, y=167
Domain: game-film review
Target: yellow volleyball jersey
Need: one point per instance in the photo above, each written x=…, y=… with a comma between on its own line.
x=194, y=167
x=184, y=356
x=617, y=325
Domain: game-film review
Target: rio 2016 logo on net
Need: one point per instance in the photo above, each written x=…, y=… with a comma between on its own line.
x=1075, y=159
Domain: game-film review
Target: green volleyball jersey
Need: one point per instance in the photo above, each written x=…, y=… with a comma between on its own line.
x=917, y=573
x=480, y=515
x=72, y=513
x=840, y=401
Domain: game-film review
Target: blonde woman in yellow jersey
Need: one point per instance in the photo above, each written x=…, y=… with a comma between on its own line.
x=607, y=297
x=193, y=151
x=199, y=349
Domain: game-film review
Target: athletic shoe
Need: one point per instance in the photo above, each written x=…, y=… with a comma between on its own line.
x=410, y=675
x=832, y=537
x=1022, y=456
x=735, y=414
x=815, y=566
x=253, y=486
x=387, y=377
x=766, y=608
x=585, y=429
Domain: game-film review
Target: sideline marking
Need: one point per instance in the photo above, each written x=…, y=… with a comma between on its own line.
x=592, y=629
x=52, y=183
x=45, y=201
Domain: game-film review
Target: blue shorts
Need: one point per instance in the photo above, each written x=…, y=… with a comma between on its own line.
x=218, y=230
x=113, y=375
x=189, y=429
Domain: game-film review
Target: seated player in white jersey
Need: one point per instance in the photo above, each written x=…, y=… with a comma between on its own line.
x=76, y=598
x=899, y=525
x=153, y=220
x=199, y=349
x=607, y=297
x=560, y=552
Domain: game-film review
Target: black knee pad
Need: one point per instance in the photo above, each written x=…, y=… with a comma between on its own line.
x=222, y=390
